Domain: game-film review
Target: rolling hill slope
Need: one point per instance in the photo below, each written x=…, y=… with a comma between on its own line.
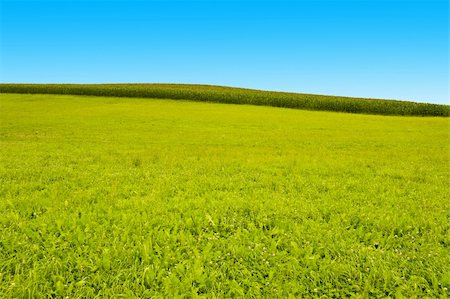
x=219, y=94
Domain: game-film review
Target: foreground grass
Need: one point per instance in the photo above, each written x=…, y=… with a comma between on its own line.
x=138, y=198
x=221, y=94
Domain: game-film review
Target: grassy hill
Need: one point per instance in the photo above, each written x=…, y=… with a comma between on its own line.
x=127, y=197
x=219, y=94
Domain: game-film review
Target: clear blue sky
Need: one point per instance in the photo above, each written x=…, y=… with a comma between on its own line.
x=382, y=49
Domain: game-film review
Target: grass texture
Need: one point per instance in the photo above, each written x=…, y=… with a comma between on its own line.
x=219, y=94
x=125, y=197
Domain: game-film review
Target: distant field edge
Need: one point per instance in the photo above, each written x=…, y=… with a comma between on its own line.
x=233, y=95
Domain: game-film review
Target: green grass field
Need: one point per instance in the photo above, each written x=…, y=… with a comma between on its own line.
x=128, y=197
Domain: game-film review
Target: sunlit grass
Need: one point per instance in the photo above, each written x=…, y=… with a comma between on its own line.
x=128, y=197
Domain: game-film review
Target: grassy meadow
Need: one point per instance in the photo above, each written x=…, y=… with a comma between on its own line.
x=150, y=198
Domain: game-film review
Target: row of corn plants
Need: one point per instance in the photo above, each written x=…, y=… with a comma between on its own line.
x=220, y=94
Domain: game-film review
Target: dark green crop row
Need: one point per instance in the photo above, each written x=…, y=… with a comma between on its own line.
x=219, y=94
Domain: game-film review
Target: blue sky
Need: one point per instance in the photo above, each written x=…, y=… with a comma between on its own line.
x=380, y=49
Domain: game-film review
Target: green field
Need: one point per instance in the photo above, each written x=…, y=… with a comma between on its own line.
x=231, y=95
x=128, y=197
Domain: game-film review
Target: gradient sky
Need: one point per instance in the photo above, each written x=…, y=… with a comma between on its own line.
x=380, y=49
